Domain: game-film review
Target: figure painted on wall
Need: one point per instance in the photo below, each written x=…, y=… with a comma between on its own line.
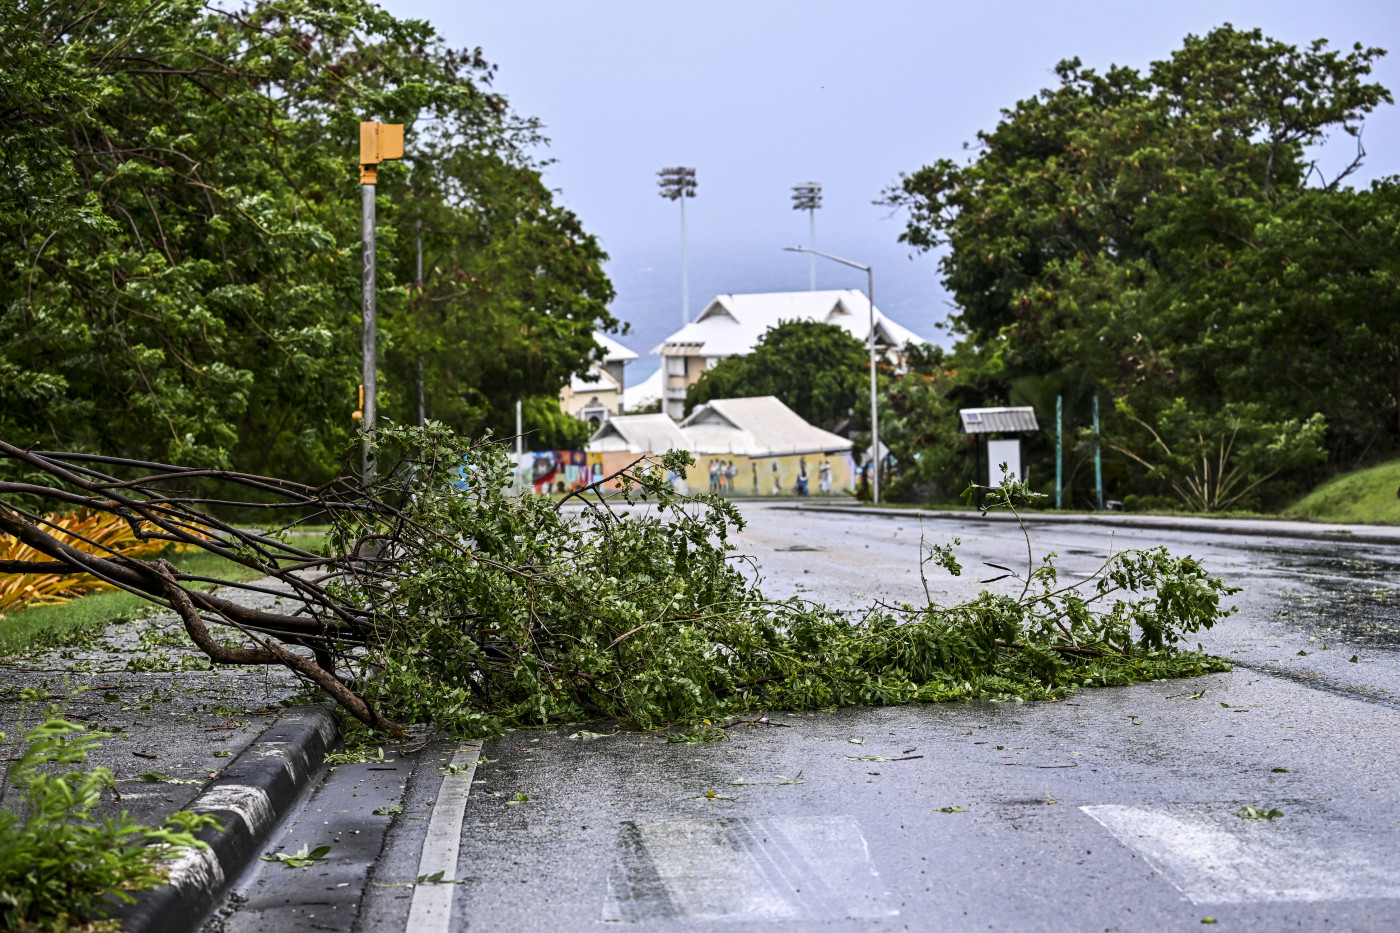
x=731, y=477
x=824, y=475
x=777, y=482
x=755, y=476
x=801, y=485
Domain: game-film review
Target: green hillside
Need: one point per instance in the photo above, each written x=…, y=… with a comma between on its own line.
x=1368, y=495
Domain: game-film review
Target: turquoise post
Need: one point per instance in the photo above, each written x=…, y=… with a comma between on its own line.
x=1059, y=450
x=1098, y=460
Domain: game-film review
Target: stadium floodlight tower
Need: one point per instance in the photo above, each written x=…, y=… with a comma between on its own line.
x=677, y=184
x=808, y=197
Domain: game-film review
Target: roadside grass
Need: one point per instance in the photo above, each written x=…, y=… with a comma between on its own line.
x=1367, y=496
x=72, y=622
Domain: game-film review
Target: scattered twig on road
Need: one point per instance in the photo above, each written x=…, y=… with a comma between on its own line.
x=760, y=721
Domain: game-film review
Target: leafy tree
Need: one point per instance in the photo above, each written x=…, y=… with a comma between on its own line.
x=1213, y=462
x=817, y=369
x=1160, y=235
x=181, y=232
x=919, y=426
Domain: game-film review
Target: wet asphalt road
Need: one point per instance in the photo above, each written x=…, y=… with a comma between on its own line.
x=1114, y=810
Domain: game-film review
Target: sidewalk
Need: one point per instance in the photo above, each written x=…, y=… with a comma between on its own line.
x=1264, y=527
x=230, y=741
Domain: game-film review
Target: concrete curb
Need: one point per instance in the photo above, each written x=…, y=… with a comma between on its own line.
x=249, y=798
x=1278, y=528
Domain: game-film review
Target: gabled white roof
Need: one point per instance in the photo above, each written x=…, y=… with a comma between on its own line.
x=613, y=352
x=756, y=427
x=732, y=325
x=639, y=434
x=597, y=379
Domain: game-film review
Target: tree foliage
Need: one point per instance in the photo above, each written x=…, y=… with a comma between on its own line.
x=1161, y=235
x=816, y=369
x=180, y=244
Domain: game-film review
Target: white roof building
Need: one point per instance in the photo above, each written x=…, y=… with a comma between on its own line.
x=599, y=393
x=742, y=427
x=756, y=427
x=613, y=352
x=732, y=325
x=638, y=434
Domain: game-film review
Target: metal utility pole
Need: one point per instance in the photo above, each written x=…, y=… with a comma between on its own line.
x=874, y=399
x=379, y=142
x=808, y=197
x=677, y=184
x=418, y=285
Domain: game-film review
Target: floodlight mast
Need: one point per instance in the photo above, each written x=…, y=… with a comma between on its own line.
x=808, y=197
x=677, y=184
x=874, y=400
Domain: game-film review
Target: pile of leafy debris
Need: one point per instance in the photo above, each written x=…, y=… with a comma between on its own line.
x=440, y=596
x=636, y=608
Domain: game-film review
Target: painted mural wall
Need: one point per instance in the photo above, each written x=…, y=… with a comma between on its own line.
x=788, y=475
x=555, y=471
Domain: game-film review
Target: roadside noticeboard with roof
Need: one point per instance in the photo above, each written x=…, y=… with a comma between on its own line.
x=1000, y=430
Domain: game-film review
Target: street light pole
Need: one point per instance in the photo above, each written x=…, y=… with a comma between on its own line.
x=379, y=142
x=808, y=197
x=677, y=184
x=418, y=285
x=874, y=399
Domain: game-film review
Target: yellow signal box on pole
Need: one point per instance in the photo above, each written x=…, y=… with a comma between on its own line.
x=379, y=142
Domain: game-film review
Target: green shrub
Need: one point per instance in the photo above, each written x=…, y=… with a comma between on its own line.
x=57, y=860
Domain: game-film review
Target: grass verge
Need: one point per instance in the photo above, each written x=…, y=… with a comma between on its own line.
x=66, y=623
x=1369, y=496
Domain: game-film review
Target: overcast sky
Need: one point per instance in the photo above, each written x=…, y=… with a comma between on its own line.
x=763, y=94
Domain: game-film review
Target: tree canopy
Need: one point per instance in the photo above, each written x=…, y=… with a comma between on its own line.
x=818, y=370
x=181, y=232
x=1161, y=239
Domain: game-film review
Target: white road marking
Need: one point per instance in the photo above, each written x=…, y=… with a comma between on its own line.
x=431, y=908
x=774, y=868
x=1214, y=857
